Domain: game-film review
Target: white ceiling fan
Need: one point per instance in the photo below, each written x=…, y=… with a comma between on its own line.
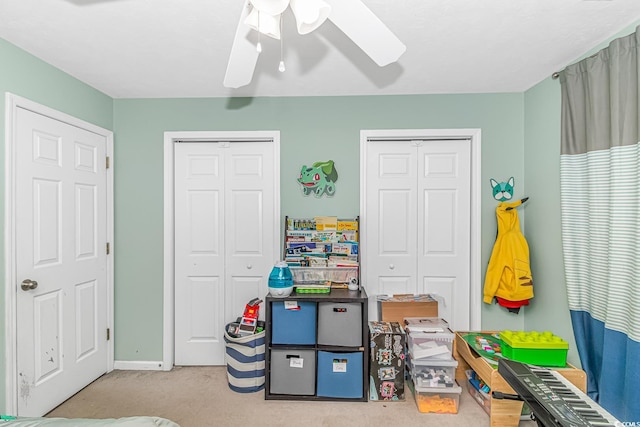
x=352, y=17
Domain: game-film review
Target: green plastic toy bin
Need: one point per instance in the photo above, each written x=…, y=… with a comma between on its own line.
x=535, y=348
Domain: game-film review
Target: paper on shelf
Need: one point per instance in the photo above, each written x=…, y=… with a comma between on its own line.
x=429, y=349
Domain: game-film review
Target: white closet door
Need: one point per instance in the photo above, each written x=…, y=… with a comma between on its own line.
x=225, y=211
x=443, y=229
x=418, y=223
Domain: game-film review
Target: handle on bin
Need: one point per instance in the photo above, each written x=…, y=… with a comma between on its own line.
x=508, y=396
x=339, y=309
x=293, y=356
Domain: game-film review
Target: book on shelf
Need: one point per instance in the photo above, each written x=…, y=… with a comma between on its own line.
x=341, y=262
x=347, y=225
x=326, y=222
x=297, y=235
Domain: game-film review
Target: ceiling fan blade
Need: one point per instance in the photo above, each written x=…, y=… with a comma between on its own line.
x=366, y=30
x=244, y=55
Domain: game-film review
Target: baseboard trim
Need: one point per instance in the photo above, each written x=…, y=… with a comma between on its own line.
x=138, y=365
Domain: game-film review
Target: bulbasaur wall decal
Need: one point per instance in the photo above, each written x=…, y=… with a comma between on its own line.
x=319, y=178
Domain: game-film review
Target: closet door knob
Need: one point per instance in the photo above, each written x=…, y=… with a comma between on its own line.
x=28, y=284
x=249, y=266
x=391, y=266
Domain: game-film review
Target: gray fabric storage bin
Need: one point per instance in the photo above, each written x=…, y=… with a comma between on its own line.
x=297, y=376
x=340, y=323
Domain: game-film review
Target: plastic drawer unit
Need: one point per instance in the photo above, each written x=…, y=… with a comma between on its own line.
x=293, y=372
x=340, y=374
x=340, y=323
x=293, y=322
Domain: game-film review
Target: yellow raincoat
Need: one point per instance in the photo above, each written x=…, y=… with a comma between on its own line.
x=508, y=273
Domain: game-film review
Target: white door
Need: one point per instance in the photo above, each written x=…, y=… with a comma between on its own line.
x=418, y=222
x=225, y=204
x=61, y=260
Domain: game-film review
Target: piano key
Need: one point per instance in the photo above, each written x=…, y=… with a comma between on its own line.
x=556, y=400
x=596, y=414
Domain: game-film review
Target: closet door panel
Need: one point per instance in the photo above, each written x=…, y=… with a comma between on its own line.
x=444, y=226
x=199, y=254
x=250, y=196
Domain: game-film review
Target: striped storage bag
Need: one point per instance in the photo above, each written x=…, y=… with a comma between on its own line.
x=245, y=362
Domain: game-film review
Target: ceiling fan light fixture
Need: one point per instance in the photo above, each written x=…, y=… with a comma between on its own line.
x=270, y=7
x=352, y=17
x=264, y=23
x=309, y=14
x=281, y=66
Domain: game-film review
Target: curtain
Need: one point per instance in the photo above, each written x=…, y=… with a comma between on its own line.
x=600, y=208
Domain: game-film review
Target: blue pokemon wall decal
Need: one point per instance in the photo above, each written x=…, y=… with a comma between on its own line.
x=502, y=191
x=319, y=178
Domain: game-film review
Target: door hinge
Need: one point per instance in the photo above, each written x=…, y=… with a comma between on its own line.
x=108, y=161
x=108, y=334
x=108, y=248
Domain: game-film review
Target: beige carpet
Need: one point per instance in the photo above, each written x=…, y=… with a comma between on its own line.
x=200, y=397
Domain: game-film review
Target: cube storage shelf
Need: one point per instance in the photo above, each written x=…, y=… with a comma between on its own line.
x=317, y=346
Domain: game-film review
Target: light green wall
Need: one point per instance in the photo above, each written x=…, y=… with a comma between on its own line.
x=24, y=75
x=312, y=129
x=549, y=309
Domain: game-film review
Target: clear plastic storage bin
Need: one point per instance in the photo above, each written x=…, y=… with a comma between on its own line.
x=438, y=400
x=431, y=345
x=310, y=275
x=441, y=374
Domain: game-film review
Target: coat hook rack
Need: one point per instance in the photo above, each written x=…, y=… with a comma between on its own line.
x=524, y=199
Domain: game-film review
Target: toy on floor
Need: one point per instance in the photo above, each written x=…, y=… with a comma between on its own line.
x=248, y=324
x=434, y=378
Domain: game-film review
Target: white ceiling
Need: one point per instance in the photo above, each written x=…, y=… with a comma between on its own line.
x=180, y=48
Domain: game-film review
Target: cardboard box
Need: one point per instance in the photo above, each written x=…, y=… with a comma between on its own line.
x=399, y=306
x=386, y=360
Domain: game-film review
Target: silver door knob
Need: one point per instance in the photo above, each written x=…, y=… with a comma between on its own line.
x=28, y=284
x=391, y=266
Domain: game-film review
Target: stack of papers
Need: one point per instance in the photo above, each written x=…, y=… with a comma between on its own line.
x=426, y=324
x=431, y=349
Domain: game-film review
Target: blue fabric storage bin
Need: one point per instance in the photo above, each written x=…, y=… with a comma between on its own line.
x=339, y=374
x=293, y=326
